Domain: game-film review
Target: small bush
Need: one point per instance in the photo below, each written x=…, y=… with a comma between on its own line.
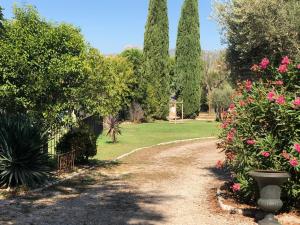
x=23, y=160
x=261, y=129
x=82, y=141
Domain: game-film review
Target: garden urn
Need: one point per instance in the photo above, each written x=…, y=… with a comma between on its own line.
x=269, y=183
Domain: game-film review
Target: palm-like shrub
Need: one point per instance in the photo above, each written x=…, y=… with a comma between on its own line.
x=113, y=126
x=23, y=160
x=262, y=128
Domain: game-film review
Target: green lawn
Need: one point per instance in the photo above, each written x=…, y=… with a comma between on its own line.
x=147, y=134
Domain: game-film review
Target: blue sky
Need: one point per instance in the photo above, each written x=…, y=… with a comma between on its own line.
x=112, y=25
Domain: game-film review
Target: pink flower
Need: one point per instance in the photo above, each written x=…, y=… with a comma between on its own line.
x=265, y=154
x=298, y=66
x=242, y=103
x=271, y=96
x=251, y=142
x=297, y=147
x=296, y=102
x=294, y=162
x=278, y=82
x=280, y=100
x=248, y=85
x=255, y=68
x=230, y=136
x=282, y=68
x=231, y=106
x=264, y=63
x=224, y=125
x=285, y=155
x=236, y=187
x=219, y=164
x=285, y=60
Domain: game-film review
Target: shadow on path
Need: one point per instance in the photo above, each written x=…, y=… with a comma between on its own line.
x=85, y=200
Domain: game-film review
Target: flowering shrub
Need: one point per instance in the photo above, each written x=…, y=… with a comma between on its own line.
x=261, y=129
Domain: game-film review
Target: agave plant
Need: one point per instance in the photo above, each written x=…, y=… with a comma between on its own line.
x=23, y=160
x=113, y=125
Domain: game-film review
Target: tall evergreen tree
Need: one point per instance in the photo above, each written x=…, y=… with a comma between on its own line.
x=188, y=57
x=1, y=20
x=156, y=56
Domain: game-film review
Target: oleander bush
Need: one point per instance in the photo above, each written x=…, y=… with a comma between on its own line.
x=23, y=158
x=261, y=129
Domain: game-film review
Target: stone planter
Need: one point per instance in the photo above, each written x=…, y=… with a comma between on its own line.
x=269, y=183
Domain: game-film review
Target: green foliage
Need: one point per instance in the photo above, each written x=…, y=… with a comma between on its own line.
x=137, y=90
x=215, y=80
x=155, y=65
x=220, y=98
x=188, y=57
x=262, y=128
x=81, y=140
x=22, y=158
x=41, y=66
x=113, y=126
x=258, y=28
x=108, y=86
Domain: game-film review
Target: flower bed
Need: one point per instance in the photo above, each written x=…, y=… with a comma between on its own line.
x=261, y=129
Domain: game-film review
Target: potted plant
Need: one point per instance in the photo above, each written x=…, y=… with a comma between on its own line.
x=269, y=183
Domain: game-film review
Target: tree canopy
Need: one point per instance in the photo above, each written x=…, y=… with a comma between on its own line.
x=41, y=65
x=257, y=29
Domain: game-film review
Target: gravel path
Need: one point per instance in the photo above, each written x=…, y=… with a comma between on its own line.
x=172, y=185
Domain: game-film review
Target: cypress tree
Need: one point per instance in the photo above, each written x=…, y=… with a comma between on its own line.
x=156, y=56
x=188, y=57
x=1, y=20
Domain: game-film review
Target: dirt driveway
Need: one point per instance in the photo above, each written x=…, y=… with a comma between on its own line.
x=172, y=184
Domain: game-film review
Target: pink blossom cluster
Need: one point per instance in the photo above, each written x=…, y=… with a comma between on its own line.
x=293, y=161
x=231, y=134
x=265, y=154
x=236, y=187
x=251, y=142
x=279, y=99
x=283, y=68
x=296, y=102
x=248, y=85
x=264, y=63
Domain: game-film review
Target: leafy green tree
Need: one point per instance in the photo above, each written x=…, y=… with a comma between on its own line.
x=155, y=66
x=220, y=99
x=107, y=87
x=257, y=29
x=41, y=66
x=188, y=57
x=135, y=57
x=215, y=75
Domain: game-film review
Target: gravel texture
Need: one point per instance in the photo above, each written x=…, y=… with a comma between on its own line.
x=173, y=184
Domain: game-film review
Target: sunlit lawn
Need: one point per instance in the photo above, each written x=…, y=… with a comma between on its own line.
x=147, y=134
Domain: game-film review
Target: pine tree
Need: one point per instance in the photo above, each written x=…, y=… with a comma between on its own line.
x=156, y=56
x=188, y=57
